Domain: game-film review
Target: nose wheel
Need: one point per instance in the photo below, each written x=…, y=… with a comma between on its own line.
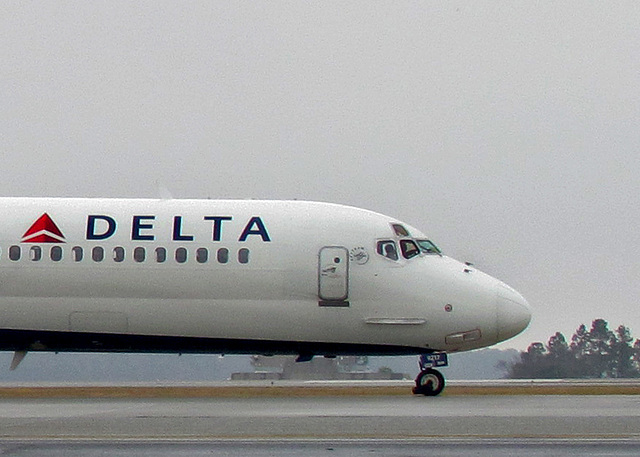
x=429, y=382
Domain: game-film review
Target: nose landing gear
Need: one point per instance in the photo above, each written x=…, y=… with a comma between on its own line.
x=430, y=382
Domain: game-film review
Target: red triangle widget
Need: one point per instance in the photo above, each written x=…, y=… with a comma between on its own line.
x=44, y=230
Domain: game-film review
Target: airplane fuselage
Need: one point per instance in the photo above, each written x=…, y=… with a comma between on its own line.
x=227, y=276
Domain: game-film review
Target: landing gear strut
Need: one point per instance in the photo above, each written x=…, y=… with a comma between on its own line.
x=430, y=382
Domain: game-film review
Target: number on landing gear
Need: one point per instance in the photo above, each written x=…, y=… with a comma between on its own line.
x=429, y=382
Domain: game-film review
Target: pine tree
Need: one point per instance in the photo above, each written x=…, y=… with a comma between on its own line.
x=621, y=364
x=530, y=364
x=635, y=357
x=561, y=360
x=598, y=349
x=594, y=353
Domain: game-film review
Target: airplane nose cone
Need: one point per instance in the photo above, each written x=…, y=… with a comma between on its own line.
x=514, y=313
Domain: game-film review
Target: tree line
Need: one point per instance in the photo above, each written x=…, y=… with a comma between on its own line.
x=595, y=353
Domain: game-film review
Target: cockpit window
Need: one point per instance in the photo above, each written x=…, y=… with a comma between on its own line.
x=409, y=249
x=387, y=248
x=400, y=230
x=428, y=247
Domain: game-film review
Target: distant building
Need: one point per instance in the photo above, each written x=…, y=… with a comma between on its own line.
x=338, y=368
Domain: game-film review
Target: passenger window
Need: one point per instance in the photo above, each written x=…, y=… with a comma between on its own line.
x=409, y=249
x=35, y=253
x=223, y=255
x=181, y=255
x=139, y=254
x=161, y=255
x=202, y=255
x=387, y=249
x=243, y=255
x=15, y=253
x=97, y=254
x=118, y=254
x=56, y=253
x=77, y=254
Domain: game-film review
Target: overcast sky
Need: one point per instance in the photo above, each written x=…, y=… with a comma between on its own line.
x=508, y=131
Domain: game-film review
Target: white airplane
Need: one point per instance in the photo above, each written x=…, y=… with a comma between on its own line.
x=251, y=277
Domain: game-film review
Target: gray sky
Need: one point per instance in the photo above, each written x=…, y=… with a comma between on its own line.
x=508, y=131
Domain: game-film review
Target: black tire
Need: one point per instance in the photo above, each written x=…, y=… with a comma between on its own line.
x=429, y=382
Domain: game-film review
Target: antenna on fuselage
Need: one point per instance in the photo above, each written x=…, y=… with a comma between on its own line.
x=18, y=357
x=163, y=191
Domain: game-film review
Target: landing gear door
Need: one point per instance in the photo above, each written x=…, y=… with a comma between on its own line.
x=333, y=275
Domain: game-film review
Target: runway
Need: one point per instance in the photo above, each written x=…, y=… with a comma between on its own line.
x=333, y=448
x=393, y=417
x=316, y=425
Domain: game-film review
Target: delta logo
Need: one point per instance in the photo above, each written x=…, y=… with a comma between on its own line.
x=44, y=230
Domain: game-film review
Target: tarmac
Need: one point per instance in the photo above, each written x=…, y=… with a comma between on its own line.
x=344, y=417
x=304, y=424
